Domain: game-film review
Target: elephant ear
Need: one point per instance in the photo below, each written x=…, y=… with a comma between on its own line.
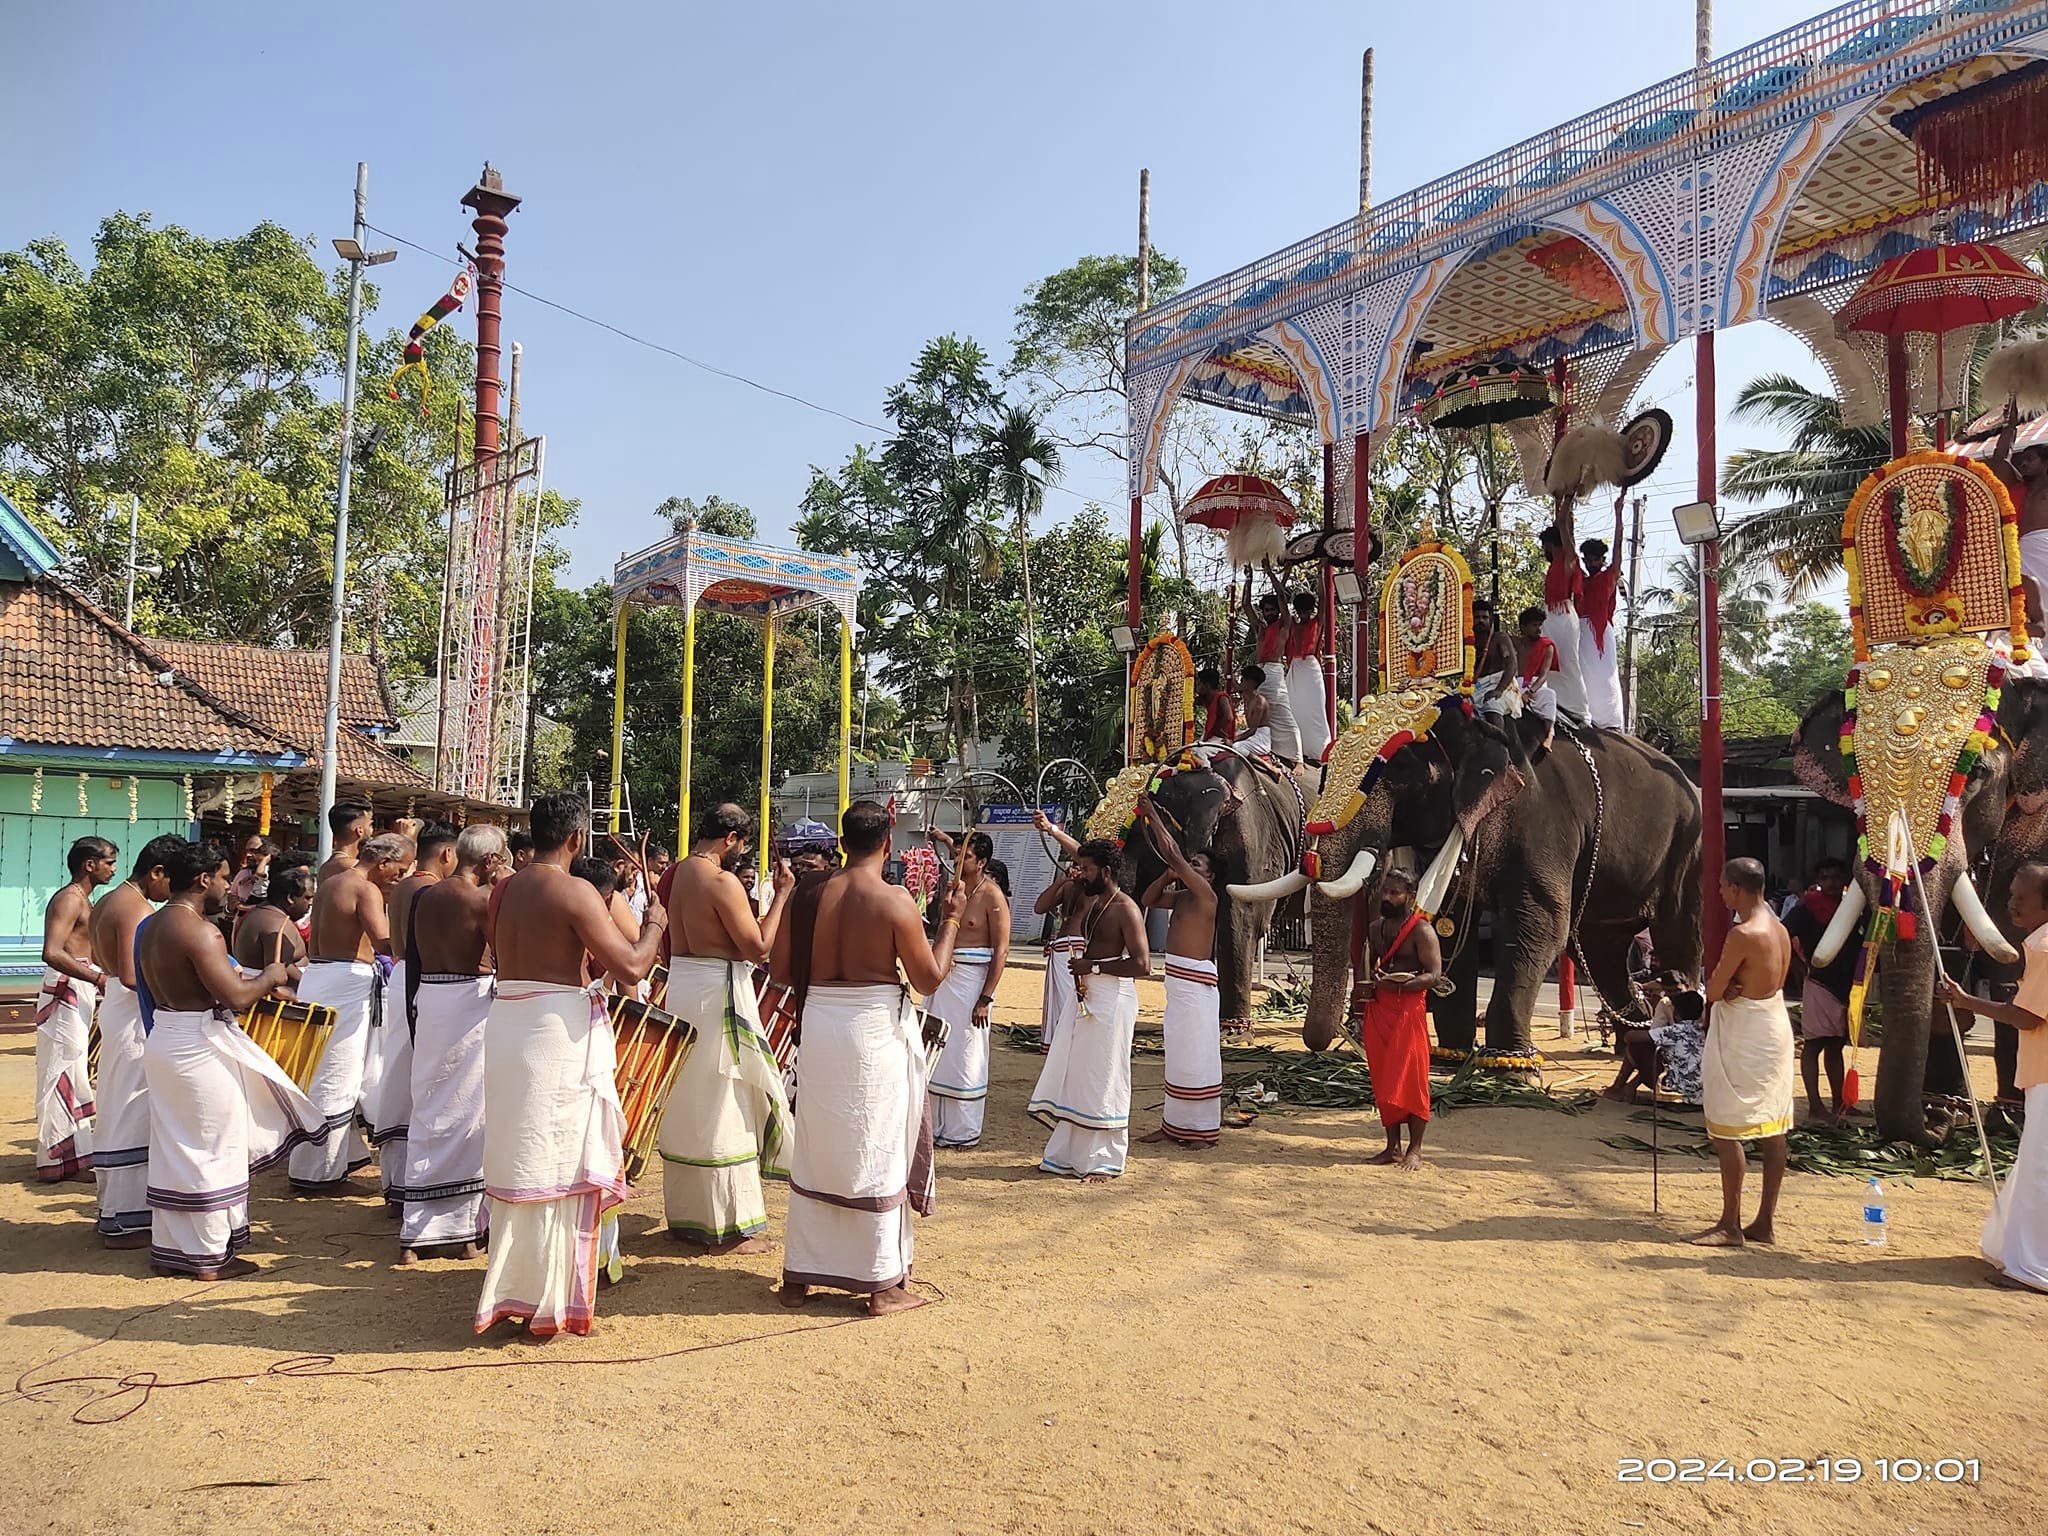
x=2023, y=719
x=1817, y=760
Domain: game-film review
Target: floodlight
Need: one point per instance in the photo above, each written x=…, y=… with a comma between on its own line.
x=1696, y=523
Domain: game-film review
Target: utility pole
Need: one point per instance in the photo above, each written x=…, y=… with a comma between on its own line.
x=1365, y=133
x=350, y=250
x=1628, y=639
x=134, y=529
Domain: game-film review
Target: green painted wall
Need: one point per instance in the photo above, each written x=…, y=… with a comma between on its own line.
x=32, y=847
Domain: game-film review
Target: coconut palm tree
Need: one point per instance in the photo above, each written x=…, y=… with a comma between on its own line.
x=1021, y=462
x=1807, y=483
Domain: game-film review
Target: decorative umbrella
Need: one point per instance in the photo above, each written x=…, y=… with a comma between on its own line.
x=1486, y=393
x=1227, y=500
x=1932, y=291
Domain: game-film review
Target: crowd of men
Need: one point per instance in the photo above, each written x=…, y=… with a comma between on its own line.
x=472, y=978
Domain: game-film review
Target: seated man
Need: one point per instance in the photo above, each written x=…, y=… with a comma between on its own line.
x=1254, y=712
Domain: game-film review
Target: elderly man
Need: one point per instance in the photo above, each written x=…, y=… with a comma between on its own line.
x=351, y=946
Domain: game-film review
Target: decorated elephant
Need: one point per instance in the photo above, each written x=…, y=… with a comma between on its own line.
x=1249, y=821
x=1596, y=835
x=1993, y=826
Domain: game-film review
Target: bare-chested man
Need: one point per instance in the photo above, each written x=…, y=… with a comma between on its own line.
x=120, y=1127
x=443, y=1008
x=862, y=1161
x=2025, y=474
x=1193, y=1115
x=1254, y=711
x=1075, y=907
x=981, y=949
x=554, y=1162
x=1402, y=962
x=1747, y=1071
x=64, y=1010
x=219, y=1108
x=350, y=947
x=1084, y=1090
x=387, y=1074
x=268, y=933
x=350, y=823
x=727, y=1124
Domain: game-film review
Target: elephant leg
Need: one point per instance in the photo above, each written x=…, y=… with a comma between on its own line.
x=1946, y=1072
x=1457, y=1017
x=1329, y=1001
x=1606, y=947
x=1532, y=937
x=1237, y=942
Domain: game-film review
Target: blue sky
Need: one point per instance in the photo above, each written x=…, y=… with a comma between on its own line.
x=799, y=192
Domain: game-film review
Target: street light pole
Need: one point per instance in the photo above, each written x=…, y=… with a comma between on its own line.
x=352, y=251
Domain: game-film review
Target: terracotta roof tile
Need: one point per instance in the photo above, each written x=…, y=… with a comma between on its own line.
x=287, y=690
x=70, y=676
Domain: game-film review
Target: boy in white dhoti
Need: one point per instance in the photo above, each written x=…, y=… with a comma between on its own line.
x=1270, y=632
x=1747, y=1070
x=219, y=1108
x=554, y=1155
x=1193, y=1115
x=447, y=998
x=981, y=949
x=863, y=1160
x=351, y=947
x=121, y=1104
x=64, y=1010
x=387, y=1086
x=1084, y=1090
x=1306, y=695
x=2015, y=1237
x=727, y=1124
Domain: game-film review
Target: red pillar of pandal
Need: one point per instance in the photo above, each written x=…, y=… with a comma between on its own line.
x=491, y=203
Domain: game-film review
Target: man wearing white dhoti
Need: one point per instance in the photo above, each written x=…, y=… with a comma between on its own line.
x=64, y=1010
x=219, y=1108
x=1193, y=1115
x=346, y=967
x=1563, y=583
x=981, y=949
x=2015, y=1237
x=1271, y=633
x=1599, y=653
x=446, y=1000
x=1075, y=908
x=554, y=1157
x=1084, y=1090
x=1306, y=695
x=727, y=1123
x=1747, y=1068
x=120, y=1150
x=387, y=1081
x=863, y=1160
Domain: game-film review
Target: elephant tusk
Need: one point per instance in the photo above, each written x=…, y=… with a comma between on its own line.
x=1270, y=890
x=1970, y=906
x=1840, y=926
x=1436, y=881
x=1348, y=884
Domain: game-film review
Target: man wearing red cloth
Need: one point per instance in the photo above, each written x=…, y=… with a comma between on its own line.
x=1599, y=657
x=1401, y=963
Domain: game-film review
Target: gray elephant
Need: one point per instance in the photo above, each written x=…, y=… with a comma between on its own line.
x=1598, y=834
x=1997, y=829
x=1249, y=822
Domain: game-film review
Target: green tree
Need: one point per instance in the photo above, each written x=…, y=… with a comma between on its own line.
x=1806, y=484
x=1020, y=462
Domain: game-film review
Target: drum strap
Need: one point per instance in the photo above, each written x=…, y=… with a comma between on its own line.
x=803, y=932
x=412, y=962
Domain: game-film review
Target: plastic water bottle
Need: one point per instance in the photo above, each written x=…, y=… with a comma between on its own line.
x=1873, y=1213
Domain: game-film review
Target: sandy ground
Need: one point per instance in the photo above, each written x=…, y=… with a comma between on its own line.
x=1268, y=1336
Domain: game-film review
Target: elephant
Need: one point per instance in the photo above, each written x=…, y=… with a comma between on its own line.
x=2000, y=829
x=1253, y=841
x=1518, y=828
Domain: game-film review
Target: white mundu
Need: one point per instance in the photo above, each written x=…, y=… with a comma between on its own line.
x=120, y=1154
x=859, y=1169
x=354, y=989
x=63, y=1084
x=960, y=1080
x=1084, y=1090
x=444, y=1169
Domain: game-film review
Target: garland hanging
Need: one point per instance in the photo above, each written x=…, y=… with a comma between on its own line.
x=134, y=790
x=35, y=793
x=83, y=808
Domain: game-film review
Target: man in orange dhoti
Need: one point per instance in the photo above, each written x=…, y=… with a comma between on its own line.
x=1401, y=963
